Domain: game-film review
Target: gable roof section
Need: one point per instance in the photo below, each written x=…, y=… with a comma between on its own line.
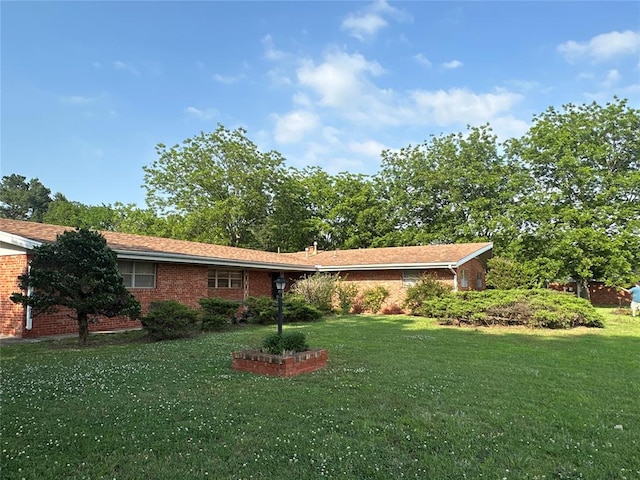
x=418, y=257
x=138, y=247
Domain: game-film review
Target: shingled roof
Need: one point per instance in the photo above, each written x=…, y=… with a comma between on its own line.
x=139, y=247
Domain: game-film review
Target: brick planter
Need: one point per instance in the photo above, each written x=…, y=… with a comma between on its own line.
x=254, y=361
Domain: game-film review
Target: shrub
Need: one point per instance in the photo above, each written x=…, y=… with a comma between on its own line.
x=373, y=298
x=346, y=293
x=296, y=309
x=288, y=342
x=261, y=310
x=169, y=319
x=317, y=290
x=539, y=308
x=427, y=288
x=217, y=312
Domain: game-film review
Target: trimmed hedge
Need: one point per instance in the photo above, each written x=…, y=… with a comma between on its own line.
x=169, y=320
x=264, y=310
x=538, y=308
x=217, y=312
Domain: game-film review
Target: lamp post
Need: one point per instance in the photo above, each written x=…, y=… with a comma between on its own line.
x=280, y=284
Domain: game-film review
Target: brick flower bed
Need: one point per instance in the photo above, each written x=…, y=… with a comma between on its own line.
x=254, y=361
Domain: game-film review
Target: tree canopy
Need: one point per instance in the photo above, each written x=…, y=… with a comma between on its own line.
x=560, y=201
x=80, y=272
x=22, y=200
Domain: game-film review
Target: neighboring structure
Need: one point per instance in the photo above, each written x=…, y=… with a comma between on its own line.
x=161, y=269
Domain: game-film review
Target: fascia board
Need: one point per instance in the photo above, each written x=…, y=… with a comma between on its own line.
x=385, y=266
x=473, y=255
x=192, y=259
x=18, y=241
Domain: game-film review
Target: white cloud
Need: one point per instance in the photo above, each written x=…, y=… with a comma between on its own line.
x=227, y=79
x=270, y=50
x=369, y=148
x=118, y=65
x=293, y=126
x=206, y=114
x=339, y=79
x=452, y=64
x=82, y=100
x=362, y=25
x=422, y=60
x=462, y=106
x=602, y=47
x=612, y=78
x=368, y=22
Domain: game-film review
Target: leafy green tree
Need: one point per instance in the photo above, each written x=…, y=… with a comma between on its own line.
x=22, y=200
x=219, y=182
x=289, y=225
x=452, y=188
x=581, y=208
x=78, y=271
x=75, y=214
x=506, y=274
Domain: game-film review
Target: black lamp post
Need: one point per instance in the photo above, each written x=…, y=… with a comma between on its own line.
x=280, y=284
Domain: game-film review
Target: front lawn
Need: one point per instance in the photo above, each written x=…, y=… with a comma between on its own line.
x=402, y=397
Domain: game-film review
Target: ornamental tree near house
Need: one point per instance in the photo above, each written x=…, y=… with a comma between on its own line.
x=78, y=271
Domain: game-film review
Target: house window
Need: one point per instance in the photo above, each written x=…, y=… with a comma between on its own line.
x=138, y=274
x=410, y=278
x=464, y=283
x=479, y=282
x=225, y=278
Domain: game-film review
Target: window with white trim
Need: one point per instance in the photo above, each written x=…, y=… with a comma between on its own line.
x=410, y=278
x=138, y=274
x=479, y=282
x=225, y=278
x=464, y=283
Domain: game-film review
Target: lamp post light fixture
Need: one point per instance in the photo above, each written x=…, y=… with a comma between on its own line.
x=280, y=284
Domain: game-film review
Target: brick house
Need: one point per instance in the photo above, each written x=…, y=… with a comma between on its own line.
x=161, y=269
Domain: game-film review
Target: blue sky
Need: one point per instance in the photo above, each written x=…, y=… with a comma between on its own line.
x=90, y=88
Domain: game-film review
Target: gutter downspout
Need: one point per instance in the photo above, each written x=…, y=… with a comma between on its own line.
x=455, y=277
x=29, y=323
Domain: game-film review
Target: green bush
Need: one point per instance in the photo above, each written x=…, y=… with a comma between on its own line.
x=217, y=312
x=427, y=288
x=346, y=293
x=296, y=309
x=264, y=310
x=538, y=308
x=317, y=290
x=373, y=298
x=288, y=342
x=261, y=310
x=169, y=319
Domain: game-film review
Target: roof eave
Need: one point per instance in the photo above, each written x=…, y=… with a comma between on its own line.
x=200, y=260
x=19, y=241
x=475, y=254
x=386, y=266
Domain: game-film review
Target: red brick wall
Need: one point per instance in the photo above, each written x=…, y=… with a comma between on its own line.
x=472, y=268
x=599, y=293
x=12, y=315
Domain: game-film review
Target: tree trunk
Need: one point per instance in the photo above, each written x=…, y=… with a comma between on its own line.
x=83, y=327
x=583, y=289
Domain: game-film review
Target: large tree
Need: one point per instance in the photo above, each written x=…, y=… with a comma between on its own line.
x=219, y=182
x=451, y=188
x=23, y=200
x=78, y=271
x=580, y=213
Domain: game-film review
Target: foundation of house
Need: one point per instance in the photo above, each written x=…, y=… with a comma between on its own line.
x=254, y=361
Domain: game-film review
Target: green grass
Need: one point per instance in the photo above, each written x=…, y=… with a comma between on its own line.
x=402, y=397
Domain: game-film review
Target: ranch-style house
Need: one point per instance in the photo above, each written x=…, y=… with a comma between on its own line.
x=161, y=269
